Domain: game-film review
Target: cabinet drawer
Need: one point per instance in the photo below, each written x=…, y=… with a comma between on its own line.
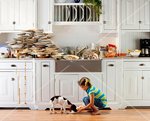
x=136, y=65
x=14, y=65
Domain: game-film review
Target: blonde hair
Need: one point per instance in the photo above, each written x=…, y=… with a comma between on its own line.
x=84, y=81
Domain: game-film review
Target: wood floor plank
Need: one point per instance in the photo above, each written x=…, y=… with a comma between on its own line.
x=106, y=115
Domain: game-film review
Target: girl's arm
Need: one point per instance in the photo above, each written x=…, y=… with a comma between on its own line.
x=91, y=104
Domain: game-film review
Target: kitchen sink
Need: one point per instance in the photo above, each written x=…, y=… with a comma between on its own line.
x=78, y=66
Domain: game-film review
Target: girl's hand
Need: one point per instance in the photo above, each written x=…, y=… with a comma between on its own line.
x=80, y=109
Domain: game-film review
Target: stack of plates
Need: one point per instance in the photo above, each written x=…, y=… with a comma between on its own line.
x=33, y=42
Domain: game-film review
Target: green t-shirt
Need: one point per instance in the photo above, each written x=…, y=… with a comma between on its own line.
x=98, y=94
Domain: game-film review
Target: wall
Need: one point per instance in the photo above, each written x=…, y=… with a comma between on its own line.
x=4, y=37
x=73, y=36
x=82, y=35
x=131, y=40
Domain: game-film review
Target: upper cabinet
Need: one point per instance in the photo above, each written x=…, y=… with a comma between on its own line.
x=45, y=15
x=130, y=14
x=17, y=14
x=110, y=14
x=24, y=14
x=144, y=14
x=135, y=14
x=6, y=14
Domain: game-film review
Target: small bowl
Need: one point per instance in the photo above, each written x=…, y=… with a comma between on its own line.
x=135, y=54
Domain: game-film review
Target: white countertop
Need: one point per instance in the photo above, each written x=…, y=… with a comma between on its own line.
x=113, y=58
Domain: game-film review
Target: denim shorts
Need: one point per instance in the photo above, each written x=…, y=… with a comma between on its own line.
x=97, y=102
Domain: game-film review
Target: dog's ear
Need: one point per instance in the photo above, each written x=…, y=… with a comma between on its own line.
x=74, y=108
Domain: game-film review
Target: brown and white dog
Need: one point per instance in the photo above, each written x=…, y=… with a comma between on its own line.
x=63, y=103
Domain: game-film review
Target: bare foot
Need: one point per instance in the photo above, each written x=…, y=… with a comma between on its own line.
x=96, y=113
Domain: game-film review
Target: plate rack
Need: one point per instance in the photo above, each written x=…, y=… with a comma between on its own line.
x=72, y=12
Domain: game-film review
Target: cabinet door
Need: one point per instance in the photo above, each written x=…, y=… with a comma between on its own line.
x=45, y=84
x=23, y=88
x=146, y=85
x=67, y=86
x=133, y=85
x=96, y=80
x=111, y=81
x=24, y=14
x=6, y=14
x=144, y=14
x=6, y=87
x=110, y=14
x=45, y=15
x=130, y=14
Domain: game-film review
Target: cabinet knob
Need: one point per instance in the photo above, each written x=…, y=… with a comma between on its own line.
x=14, y=22
x=140, y=22
x=45, y=65
x=141, y=64
x=12, y=79
x=111, y=65
x=49, y=22
x=13, y=65
x=142, y=77
x=104, y=22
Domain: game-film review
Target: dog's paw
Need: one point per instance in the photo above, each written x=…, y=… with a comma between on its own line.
x=55, y=112
x=65, y=112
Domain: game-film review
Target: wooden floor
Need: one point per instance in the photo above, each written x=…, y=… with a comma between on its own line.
x=107, y=115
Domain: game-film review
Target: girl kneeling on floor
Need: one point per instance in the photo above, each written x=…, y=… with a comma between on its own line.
x=95, y=100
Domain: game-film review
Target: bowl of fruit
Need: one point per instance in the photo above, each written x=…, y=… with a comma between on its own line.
x=134, y=53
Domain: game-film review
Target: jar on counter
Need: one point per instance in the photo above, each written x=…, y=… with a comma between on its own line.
x=102, y=51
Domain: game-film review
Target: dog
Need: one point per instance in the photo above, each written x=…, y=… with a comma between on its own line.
x=63, y=102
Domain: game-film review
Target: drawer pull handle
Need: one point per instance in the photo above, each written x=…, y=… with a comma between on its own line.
x=45, y=65
x=141, y=64
x=111, y=65
x=13, y=66
x=49, y=22
x=12, y=79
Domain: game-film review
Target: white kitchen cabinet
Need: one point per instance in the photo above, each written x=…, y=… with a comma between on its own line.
x=130, y=14
x=136, y=83
x=24, y=14
x=144, y=14
x=17, y=14
x=110, y=14
x=23, y=87
x=7, y=14
x=133, y=85
x=67, y=86
x=44, y=84
x=45, y=15
x=42, y=81
x=146, y=85
x=135, y=14
x=16, y=84
x=113, y=81
x=6, y=87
